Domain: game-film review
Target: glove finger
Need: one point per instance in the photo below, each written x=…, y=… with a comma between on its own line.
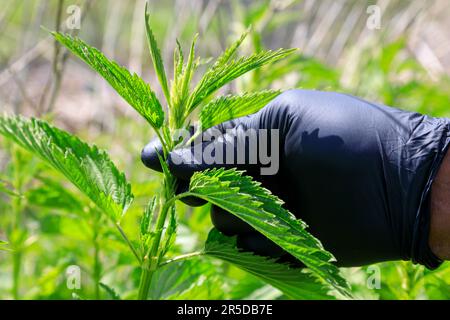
x=258, y=244
x=227, y=223
x=228, y=145
x=183, y=186
x=149, y=155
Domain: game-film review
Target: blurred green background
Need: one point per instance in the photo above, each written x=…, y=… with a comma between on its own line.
x=404, y=63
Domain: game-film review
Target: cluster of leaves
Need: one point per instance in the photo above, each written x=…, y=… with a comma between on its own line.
x=95, y=175
x=87, y=167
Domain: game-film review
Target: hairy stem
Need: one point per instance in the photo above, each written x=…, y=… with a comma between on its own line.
x=151, y=259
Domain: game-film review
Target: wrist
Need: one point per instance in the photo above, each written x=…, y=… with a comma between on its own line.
x=439, y=238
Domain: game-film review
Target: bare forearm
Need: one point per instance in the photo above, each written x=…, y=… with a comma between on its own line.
x=439, y=239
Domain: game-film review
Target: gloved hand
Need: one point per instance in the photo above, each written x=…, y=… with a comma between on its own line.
x=358, y=173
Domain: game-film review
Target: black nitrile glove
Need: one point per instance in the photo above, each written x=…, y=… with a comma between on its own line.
x=358, y=173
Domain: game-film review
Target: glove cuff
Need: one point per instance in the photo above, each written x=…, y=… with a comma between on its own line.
x=421, y=252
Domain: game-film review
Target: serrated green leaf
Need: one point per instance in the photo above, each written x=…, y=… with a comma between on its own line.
x=148, y=215
x=156, y=56
x=230, y=107
x=246, y=199
x=230, y=51
x=174, y=279
x=181, y=84
x=87, y=167
x=221, y=74
x=131, y=87
x=110, y=291
x=169, y=233
x=294, y=283
x=178, y=61
x=53, y=194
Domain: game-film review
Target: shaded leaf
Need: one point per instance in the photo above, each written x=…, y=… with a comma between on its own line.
x=294, y=283
x=87, y=167
x=246, y=199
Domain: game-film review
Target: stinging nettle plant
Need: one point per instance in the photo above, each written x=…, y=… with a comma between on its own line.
x=95, y=175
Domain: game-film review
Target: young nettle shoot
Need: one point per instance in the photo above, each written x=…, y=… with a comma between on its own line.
x=95, y=175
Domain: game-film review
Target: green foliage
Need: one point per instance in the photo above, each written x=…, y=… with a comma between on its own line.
x=53, y=194
x=181, y=83
x=87, y=167
x=93, y=173
x=224, y=71
x=230, y=107
x=156, y=56
x=45, y=222
x=131, y=87
x=246, y=199
x=110, y=291
x=294, y=283
x=184, y=280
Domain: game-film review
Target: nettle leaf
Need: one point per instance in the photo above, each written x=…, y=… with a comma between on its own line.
x=230, y=107
x=178, y=278
x=230, y=51
x=294, y=283
x=55, y=195
x=156, y=56
x=130, y=86
x=110, y=291
x=170, y=232
x=224, y=72
x=148, y=216
x=246, y=199
x=87, y=167
x=182, y=79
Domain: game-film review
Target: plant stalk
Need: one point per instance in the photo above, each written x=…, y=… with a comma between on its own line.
x=151, y=259
x=97, y=267
x=17, y=208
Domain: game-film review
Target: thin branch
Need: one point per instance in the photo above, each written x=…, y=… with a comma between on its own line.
x=58, y=62
x=124, y=236
x=182, y=257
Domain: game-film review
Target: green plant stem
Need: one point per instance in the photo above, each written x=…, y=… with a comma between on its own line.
x=151, y=259
x=144, y=284
x=17, y=263
x=17, y=208
x=97, y=267
x=163, y=143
